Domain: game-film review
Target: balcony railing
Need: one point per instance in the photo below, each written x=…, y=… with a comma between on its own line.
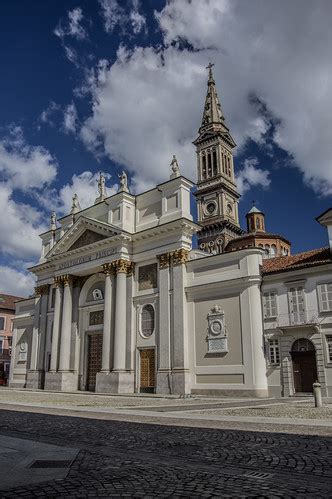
x=305, y=318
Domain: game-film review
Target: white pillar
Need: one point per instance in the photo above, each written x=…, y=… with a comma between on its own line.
x=35, y=336
x=119, y=360
x=64, y=361
x=42, y=328
x=106, y=353
x=181, y=372
x=56, y=325
x=257, y=341
x=164, y=340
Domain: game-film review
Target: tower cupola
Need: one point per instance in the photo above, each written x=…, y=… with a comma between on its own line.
x=255, y=220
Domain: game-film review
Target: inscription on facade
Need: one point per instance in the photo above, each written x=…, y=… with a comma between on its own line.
x=86, y=258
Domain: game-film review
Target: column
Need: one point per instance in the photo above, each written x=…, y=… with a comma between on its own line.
x=106, y=354
x=164, y=360
x=257, y=341
x=35, y=337
x=119, y=362
x=64, y=361
x=56, y=325
x=181, y=373
x=42, y=328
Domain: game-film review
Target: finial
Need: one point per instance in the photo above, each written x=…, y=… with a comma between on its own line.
x=53, y=220
x=123, y=187
x=75, y=207
x=209, y=67
x=175, y=168
x=101, y=188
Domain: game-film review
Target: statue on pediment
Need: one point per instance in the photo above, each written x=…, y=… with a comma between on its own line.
x=101, y=188
x=175, y=168
x=53, y=221
x=75, y=207
x=123, y=182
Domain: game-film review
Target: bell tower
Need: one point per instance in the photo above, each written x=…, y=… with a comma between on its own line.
x=216, y=196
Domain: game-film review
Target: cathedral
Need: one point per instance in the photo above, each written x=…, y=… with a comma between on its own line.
x=125, y=304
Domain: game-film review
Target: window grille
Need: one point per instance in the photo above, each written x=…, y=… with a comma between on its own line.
x=274, y=352
x=147, y=320
x=270, y=305
x=329, y=347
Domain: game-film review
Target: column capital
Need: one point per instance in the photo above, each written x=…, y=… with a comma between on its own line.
x=67, y=279
x=57, y=281
x=122, y=266
x=179, y=256
x=164, y=260
x=42, y=290
x=108, y=269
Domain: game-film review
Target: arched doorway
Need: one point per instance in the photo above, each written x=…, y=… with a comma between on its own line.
x=304, y=365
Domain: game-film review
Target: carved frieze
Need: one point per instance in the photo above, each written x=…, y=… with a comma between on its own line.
x=147, y=277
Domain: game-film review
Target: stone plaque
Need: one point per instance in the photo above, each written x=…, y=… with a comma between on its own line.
x=147, y=277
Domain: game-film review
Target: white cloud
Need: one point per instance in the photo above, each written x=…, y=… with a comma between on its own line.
x=73, y=26
x=138, y=20
x=277, y=52
x=16, y=282
x=85, y=186
x=24, y=166
x=20, y=225
x=47, y=114
x=113, y=14
x=70, y=118
x=252, y=176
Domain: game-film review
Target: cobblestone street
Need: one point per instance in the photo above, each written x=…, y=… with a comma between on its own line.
x=124, y=459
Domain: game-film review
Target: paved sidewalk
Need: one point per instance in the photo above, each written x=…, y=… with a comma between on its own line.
x=121, y=459
x=280, y=415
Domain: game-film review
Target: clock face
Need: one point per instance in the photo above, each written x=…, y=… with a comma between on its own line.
x=211, y=208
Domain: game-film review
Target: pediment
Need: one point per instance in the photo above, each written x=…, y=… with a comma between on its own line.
x=88, y=237
x=84, y=232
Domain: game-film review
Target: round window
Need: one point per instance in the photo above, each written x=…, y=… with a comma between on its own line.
x=211, y=208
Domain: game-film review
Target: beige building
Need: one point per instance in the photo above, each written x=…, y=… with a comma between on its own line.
x=124, y=304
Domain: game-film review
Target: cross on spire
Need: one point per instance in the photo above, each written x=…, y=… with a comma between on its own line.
x=209, y=67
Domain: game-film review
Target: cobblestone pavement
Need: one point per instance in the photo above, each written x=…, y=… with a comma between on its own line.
x=121, y=459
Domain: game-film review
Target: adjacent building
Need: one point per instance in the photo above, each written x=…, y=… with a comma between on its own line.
x=7, y=312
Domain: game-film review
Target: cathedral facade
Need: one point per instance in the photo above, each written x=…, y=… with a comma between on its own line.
x=125, y=304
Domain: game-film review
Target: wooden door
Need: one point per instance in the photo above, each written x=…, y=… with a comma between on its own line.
x=94, y=359
x=304, y=370
x=147, y=366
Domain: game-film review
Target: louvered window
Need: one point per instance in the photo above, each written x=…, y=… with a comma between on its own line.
x=325, y=297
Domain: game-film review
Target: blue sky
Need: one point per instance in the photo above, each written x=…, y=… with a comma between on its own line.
x=92, y=85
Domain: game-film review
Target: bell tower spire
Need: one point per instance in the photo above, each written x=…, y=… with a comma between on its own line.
x=217, y=196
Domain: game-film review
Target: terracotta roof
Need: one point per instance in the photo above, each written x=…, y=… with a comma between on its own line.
x=8, y=301
x=300, y=260
x=257, y=235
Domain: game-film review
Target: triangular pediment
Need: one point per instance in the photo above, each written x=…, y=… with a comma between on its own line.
x=84, y=232
x=88, y=237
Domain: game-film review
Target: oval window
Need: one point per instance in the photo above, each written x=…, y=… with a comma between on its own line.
x=147, y=321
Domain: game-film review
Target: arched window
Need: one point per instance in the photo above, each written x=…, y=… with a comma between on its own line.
x=204, y=166
x=209, y=164
x=273, y=250
x=215, y=164
x=267, y=251
x=147, y=320
x=258, y=225
x=229, y=166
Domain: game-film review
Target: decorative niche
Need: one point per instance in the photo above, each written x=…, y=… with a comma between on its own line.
x=217, y=339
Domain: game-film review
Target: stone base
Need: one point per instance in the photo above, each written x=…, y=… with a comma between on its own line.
x=35, y=380
x=61, y=381
x=181, y=382
x=164, y=382
x=104, y=382
x=116, y=382
x=259, y=393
